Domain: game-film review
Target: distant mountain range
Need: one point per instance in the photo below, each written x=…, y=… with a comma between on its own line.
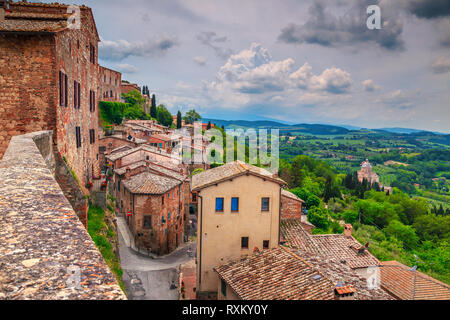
x=318, y=129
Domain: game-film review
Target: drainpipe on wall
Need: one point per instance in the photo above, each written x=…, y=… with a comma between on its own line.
x=201, y=238
x=279, y=218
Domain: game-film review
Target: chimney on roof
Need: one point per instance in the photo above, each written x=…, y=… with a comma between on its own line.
x=342, y=292
x=348, y=230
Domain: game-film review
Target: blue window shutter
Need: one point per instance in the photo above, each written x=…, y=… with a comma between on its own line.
x=234, y=204
x=219, y=204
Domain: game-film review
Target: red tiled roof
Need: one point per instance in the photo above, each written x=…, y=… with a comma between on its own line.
x=228, y=171
x=331, y=245
x=276, y=274
x=405, y=284
x=290, y=195
x=37, y=17
x=33, y=26
x=341, y=274
x=345, y=290
x=340, y=246
x=293, y=233
x=150, y=183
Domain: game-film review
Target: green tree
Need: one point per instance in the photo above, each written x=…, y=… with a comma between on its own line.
x=134, y=97
x=191, y=116
x=319, y=217
x=153, y=109
x=179, y=120
x=404, y=233
x=164, y=117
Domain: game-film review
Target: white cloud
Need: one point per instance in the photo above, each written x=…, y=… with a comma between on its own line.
x=370, y=86
x=212, y=40
x=122, y=49
x=400, y=99
x=126, y=68
x=252, y=76
x=201, y=61
x=441, y=65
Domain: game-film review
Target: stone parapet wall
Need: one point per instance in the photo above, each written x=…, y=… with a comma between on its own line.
x=45, y=251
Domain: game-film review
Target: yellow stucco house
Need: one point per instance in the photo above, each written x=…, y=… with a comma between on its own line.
x=238, y=214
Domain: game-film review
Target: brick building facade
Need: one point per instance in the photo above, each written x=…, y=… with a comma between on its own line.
x=49, y=81
x=110, y=84
x=291, y=205
x=152, y=200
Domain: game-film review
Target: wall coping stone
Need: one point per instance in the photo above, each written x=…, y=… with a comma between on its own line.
x=43, y=245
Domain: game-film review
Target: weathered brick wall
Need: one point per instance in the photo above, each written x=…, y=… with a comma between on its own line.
x=27, y=86
x=290, y=208
x=110, y=82
x=156, y=237
x=73, y=58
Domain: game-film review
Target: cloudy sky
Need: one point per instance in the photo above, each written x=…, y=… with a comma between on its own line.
x=302, y=61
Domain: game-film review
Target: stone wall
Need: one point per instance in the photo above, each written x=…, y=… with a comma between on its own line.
x=71, y=189
x=46, y=253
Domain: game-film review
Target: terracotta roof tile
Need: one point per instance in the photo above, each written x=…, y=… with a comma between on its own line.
x=150, y=183
x=290, y=195
x=32, y=26
x=341, y=274
x=292, y=274
x=405, y=284
x=331, y=245
x=228, y=171
x=275, y=274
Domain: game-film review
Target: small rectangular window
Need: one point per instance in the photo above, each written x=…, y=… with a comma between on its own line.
x=61, y=89
x=66, y=91
x=244, y=243
x=91, y=100
x=147, y=222
x=92, y=136
x=266, y=244
x=79, y=95
x=234, y=204
x=265, y=204
x=75, y=94
x=223, y=288
x=219, y=204
x=78, y=136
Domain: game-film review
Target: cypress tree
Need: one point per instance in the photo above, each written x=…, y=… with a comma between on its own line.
x=179, y=122
x=208, y=126
x=153, y=112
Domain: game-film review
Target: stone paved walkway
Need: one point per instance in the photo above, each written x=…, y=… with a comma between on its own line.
x=148, y=278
